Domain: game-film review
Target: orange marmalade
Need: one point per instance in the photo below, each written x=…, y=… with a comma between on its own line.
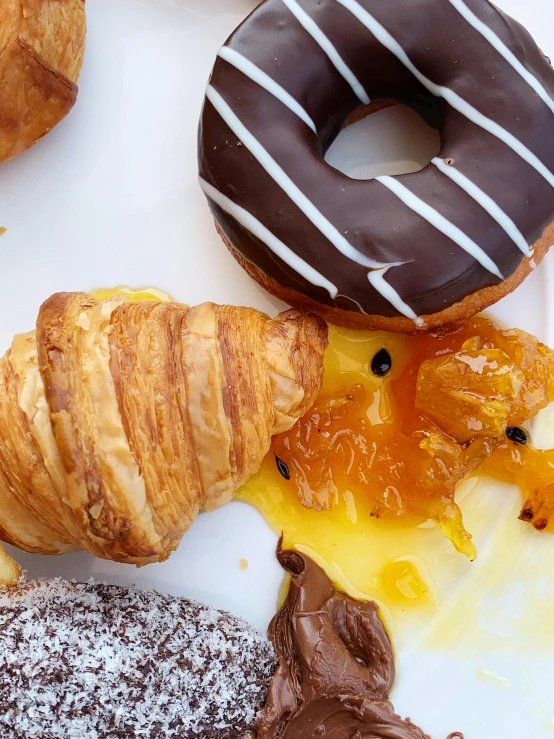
x=400, y=420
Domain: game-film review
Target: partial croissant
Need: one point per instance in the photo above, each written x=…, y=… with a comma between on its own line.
x=42, y=43
x=10, y=571
x=121, y=421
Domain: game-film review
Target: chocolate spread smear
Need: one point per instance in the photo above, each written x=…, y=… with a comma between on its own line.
x=336, y=665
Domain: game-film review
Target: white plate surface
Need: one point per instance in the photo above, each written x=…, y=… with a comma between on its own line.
x=110, y=197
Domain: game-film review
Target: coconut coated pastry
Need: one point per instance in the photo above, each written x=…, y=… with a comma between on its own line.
x=405, y=253
x=42, y=43
x=99, y=661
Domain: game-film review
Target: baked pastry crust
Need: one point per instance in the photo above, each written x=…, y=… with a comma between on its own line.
x=121, y=421
x=42, y=43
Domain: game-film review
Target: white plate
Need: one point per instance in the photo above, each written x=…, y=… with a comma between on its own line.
x=111, y=197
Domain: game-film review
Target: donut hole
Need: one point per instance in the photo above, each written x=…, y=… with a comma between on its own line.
x=390, y=141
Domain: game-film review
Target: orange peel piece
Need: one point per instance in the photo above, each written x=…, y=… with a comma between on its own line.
x=469, y=393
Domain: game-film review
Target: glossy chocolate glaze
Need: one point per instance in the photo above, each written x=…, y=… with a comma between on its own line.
x=447, y=49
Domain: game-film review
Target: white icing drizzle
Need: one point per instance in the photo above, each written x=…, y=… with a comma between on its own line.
x=256, y=228
x=305, y=205
x=246, y=219
x=502, y=49
x=486, y=202
x=440, y=223
x=377, y=279
x=284, y=181
x=321, y=39
x=262, y=79
x=452, y=98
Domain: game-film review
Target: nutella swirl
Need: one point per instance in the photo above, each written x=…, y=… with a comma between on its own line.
x=336, y=665
x=411, y=245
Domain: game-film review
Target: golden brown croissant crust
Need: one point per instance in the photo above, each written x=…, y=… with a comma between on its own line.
x=120, y=421
x=42, y=43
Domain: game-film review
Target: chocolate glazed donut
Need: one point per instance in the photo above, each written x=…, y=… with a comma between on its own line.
x=416, y=251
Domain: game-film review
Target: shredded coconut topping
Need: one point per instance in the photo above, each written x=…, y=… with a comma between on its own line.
x=104, y=662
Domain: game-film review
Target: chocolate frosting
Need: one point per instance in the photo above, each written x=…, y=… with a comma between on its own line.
x=336, y=665
x=470, y=70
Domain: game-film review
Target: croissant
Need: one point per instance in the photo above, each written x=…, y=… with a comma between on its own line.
x=120, y=421
x=10, y=571
x=42, y=43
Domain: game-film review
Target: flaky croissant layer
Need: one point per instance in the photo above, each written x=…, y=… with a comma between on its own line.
x=120, y=421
